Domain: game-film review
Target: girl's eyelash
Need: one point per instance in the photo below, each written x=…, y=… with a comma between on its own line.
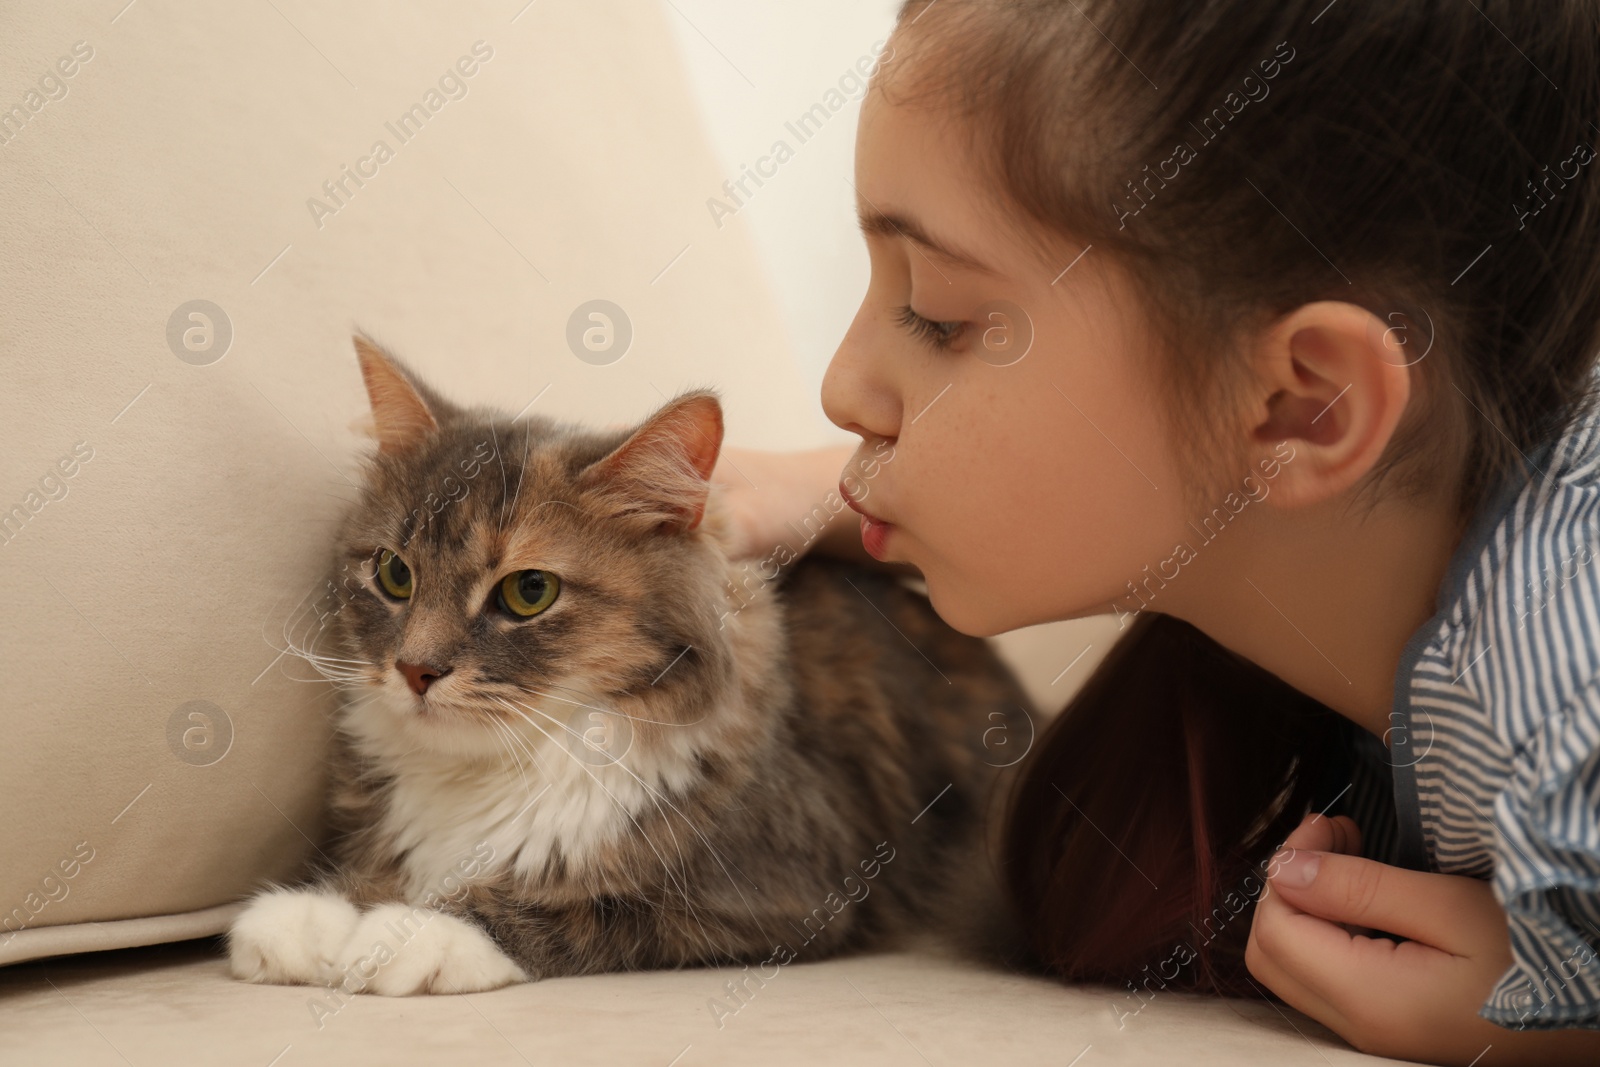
x=939, y=335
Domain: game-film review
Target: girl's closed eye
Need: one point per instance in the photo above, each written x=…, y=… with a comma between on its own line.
x=937, y=335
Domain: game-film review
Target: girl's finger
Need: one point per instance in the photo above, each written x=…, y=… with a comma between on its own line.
x=1458, y=915
x=1319, y=833
x=1267, y=968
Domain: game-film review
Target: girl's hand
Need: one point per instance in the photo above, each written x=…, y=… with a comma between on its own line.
x=781, y=498
x=1415, y=999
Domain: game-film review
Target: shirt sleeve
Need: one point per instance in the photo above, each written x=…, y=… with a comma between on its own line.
x=1547, y=874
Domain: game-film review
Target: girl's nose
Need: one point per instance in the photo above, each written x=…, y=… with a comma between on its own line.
x=855, y=395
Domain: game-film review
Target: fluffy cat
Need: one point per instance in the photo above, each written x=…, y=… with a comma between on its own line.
x=568, y=743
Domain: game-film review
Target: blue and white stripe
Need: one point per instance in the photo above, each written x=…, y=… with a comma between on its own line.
x=1495, y=754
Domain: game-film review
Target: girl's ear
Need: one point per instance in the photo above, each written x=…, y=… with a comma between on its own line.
x=659, y=475
x=404, y=413
x=1332, y=384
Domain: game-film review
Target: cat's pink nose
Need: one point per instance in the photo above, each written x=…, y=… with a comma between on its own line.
x=420, y=675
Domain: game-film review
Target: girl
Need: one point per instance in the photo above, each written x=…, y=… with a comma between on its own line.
x=1271, y=330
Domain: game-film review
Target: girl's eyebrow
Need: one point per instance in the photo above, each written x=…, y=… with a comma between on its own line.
x=875, y=223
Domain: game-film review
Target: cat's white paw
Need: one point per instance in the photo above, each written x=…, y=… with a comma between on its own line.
x=397, y=950
x=290, y=936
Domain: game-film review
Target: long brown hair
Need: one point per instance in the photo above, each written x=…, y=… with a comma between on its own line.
x=1431, y=162
x=1140, y=824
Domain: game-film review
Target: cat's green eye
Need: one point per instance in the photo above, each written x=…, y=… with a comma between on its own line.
x=526, y=593
x=394, y=575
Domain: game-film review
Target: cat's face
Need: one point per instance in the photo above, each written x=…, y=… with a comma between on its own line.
x=525, y=582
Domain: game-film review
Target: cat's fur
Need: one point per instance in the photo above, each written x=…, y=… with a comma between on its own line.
x=662, y=769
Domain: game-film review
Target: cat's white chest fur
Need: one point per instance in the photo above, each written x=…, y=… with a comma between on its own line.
x=443, y=809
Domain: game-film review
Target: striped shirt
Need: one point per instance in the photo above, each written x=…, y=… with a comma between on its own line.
x=1491, y=765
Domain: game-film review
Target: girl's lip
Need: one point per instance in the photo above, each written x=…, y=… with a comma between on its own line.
x=857, y=508
x=874, y=534
x=874, y=531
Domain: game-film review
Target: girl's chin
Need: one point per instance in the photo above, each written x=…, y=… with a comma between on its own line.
x=975, y=615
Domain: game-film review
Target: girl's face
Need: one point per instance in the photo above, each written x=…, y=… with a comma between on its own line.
x=1033, y=473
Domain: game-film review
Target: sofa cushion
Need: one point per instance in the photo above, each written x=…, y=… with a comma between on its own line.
x=202, y=205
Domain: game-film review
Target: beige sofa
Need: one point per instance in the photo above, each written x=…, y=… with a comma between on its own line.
x=199, y=211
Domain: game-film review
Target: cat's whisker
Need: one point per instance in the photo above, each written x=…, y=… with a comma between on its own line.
x=680, y=880
x=620, y=807
x=338, y=675
x=328, y=663
x=334, y=667
x=683, y=868
x=716, y=854
x=501, y=735
x=659, y=798
x=326, y=657
x=344, y=670
x=656, y=800
x=606, y=711
x=564, y=700
x=340, y=670
x=306, y=647
x=596, y=778
x=336, y=683
x=619, y=763
x=500, y=520
x=527, y=453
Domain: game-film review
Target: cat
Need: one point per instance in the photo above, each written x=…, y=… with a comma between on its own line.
x=568, y=743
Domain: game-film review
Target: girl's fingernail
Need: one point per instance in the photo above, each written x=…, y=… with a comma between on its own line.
x=1299, y=871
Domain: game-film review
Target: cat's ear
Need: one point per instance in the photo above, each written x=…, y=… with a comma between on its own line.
x=660, y=474
x=402, y=415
